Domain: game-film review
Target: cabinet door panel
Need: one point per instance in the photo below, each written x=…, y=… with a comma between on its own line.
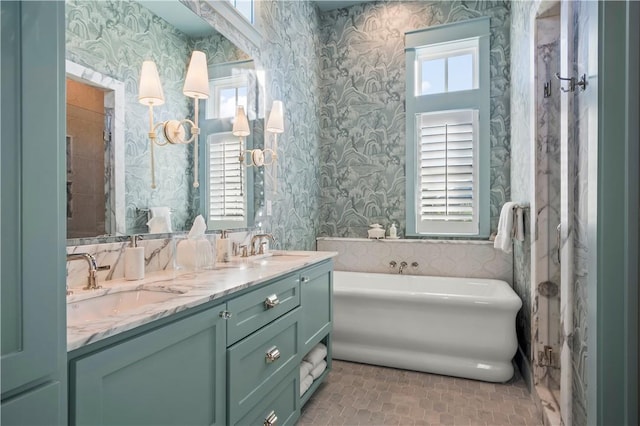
x=316, y=298
x=38, y=407
x=173, y=375
x=32, y=182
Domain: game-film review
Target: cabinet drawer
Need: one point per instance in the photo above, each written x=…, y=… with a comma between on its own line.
x=253, y=311
x=282, y=401
x=252, y=372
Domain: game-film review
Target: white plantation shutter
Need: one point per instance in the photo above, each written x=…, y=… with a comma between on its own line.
x=447, y=186
x=227, y=199
x=448, y=130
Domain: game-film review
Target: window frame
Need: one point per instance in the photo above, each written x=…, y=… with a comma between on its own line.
x=475, y=99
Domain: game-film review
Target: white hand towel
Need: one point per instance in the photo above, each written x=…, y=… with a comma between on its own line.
x=505, y=228
x=305, y=369
x=319, y=369
x=162, y=212
x=305, y=384
x=317, y=354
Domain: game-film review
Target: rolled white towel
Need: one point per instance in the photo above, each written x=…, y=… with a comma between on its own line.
x=317, y=354
x=319, y=369
x=305, y=384
x=305, y=369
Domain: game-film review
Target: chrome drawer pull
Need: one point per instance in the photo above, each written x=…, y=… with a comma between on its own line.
x=271, y=301
x=272, y=354
x=304, y=279
x=271, y=419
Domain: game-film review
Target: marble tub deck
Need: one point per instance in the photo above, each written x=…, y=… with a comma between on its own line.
x=190, y=288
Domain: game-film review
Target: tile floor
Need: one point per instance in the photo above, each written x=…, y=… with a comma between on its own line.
x=358, y=394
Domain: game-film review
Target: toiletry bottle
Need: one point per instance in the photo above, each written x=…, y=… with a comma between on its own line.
x=134, y=260
x=393, y=232
x=223, y=248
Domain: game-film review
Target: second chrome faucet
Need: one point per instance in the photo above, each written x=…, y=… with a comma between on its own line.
x=93, y=268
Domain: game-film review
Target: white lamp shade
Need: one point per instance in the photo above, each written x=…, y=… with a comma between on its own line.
x=275, y=124
x=196, y=85
x=149, y=88
x=241, y=124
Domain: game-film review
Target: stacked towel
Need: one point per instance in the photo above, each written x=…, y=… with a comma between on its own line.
x=312, y=366
x=317, y=354
x=319, y=369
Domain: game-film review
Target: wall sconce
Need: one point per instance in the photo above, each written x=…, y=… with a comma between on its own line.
x=275, y=125
x=196, y=86
x=241, y=129
x=260, y=157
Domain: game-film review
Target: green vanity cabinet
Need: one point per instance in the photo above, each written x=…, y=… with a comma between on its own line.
x=235, y=363
x=173, y=375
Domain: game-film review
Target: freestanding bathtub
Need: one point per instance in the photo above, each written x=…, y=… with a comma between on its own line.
x=461, y=327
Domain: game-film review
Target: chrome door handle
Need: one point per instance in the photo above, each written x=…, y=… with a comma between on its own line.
x=304, y=279
x=271, y=419
x=272, y=355
x=558, y=239
x=271, y=301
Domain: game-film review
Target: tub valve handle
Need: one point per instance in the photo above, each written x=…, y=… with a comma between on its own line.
x=392, y=264
x=414, y=265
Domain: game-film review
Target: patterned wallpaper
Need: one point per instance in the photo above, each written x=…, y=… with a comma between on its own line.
x=289, y=57
x=362, y=117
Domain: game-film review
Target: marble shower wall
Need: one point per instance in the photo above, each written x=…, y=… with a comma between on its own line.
x=362, y=118
x=522, y=149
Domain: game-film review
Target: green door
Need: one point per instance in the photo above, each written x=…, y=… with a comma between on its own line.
x=33, y=213
x=173, y=375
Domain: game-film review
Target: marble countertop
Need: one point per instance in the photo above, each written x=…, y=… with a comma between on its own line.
x=190, y=288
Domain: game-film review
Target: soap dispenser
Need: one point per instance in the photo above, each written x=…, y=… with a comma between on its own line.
x=134, y=260
x=223, y=248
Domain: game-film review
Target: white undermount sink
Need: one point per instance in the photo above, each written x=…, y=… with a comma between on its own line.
x=281, y=257
x=98, y=307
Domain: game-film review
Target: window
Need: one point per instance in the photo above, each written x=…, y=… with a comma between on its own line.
x=226, y=183
x=448, y=129
x=228, y=189
x=245, y=7
x=228, y=93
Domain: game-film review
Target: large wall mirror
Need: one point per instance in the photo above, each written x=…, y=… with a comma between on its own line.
x=109, y=189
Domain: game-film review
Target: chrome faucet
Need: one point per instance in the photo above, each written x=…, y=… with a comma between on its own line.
x=258, y=237
x=402, y=266
x=93, y=268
